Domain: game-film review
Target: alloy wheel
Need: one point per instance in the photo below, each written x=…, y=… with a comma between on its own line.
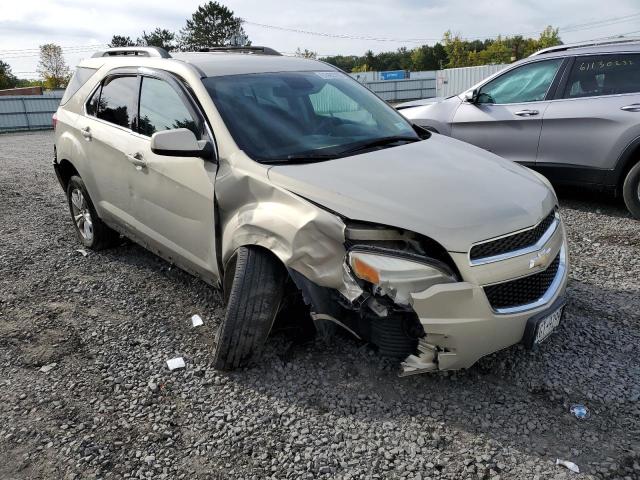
x=81, y=214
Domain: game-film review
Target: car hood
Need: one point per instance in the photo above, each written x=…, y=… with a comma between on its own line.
x=450, y=191
x=419, y=103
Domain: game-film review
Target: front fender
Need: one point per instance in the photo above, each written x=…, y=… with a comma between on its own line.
x=303, y=236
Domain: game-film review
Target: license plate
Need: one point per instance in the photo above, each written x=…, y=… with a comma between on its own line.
x=547, y=325
x=541, y=326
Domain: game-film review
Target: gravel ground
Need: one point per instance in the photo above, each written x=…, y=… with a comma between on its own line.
x=109, y=407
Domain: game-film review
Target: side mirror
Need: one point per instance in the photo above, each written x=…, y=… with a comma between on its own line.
x=471, y=96
x=180, y=142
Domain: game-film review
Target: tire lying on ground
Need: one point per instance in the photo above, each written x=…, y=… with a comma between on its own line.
x=253, y=287
x=90, y=230
x=631, y=191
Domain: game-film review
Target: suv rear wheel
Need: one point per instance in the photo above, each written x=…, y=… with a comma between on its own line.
x=631, y=190
x=254, y=285
x=91, y=231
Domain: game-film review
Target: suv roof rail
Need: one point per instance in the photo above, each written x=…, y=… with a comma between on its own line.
x=246, y=49
x=134, y=51
x=592, y=43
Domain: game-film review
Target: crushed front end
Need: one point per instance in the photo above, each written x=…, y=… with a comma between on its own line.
x=439, y=310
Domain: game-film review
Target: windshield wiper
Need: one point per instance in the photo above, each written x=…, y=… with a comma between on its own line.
x=311, y=157
x=379, y=142
x=301, y=158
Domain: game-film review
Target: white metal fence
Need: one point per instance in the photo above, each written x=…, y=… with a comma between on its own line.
x=456, y=80
x=27, y=112
x=426, y=84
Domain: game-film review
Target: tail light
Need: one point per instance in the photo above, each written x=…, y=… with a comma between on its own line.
x=54, y=120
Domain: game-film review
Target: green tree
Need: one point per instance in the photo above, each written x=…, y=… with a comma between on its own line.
x=428, y=58
x=159, y=37
x=360, y=68
x=121, y=41
x=212, y=25
x=306, y=53
x=496, y=52
x=549, y=37
x=457, y=50
x=343, y=62
x=52, y=67
x=7, y=79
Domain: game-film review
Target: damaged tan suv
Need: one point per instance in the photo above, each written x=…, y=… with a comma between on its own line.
x=279, y=178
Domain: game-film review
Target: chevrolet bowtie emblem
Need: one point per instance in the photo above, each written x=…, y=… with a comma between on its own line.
x=540, y=259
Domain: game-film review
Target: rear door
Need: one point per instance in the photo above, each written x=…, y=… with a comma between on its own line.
x=106, y=130
x=507, y=116
x=172, y=197
x=595, y=116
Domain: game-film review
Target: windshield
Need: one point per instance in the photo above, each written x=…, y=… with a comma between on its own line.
x=287, y=116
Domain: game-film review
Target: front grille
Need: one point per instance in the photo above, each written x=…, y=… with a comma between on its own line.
x=512, y=242
x=523, y=290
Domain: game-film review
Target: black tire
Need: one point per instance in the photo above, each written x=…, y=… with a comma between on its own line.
x=101, y=235
x=254, y=284
x=631, y=190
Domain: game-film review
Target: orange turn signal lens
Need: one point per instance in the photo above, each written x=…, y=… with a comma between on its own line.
x=365, y=271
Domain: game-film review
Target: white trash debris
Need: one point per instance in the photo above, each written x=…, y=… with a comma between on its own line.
x=47, y=368
x=175, y=363
x=82, y=252
x=567, y=464
x=580, y=411
x=196, y=320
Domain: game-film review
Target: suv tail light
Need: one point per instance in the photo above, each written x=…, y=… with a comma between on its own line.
x=54, y=121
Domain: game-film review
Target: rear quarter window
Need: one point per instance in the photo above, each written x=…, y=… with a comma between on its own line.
x=78, y=79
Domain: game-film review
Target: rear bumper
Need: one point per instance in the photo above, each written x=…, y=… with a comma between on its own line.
x=461, y=326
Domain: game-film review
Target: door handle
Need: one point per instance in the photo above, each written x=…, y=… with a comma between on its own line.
x=527, y=113
x=634, y=107
x=137, y=159
x=86, y=133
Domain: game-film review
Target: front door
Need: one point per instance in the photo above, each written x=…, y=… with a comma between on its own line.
x=506, y=117
x=172, y=197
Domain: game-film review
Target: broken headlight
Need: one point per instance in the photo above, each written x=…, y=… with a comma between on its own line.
x=398, y=276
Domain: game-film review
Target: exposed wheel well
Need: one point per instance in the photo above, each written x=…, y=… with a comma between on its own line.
x=229, y=267
x=67, y=170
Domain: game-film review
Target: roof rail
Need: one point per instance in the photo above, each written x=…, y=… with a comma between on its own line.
x=592, y=43
x=246, y=49
x=134, y=51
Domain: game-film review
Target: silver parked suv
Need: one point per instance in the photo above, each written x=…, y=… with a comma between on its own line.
x=298, y=192
x=571, y=112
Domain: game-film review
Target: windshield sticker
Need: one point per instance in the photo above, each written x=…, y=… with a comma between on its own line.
x=329, y=75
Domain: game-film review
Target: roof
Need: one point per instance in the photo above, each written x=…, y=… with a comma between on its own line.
x=623, y=44
x=220, y=61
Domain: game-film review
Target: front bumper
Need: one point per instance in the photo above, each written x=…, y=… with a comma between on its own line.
x=461, y=326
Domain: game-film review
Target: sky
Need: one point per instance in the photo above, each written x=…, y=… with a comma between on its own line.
x=81, y=26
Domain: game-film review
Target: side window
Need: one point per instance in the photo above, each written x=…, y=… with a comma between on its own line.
x=162, y=108
x=116, y=100
x=528, y=83
x=604, y=75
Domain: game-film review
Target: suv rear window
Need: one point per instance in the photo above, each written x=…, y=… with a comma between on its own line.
x=79, y=78
x=117, y=99
x=604, y=75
